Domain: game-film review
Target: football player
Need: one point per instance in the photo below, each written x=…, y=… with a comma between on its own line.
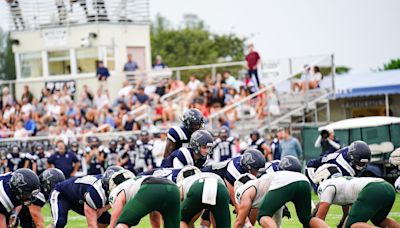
x=145, y=161
x=95, y=156
x=179, y=136
x=256, y=142
x=288, y=186
x=371, y=199
x=31, y=215
x=224, y=146
x=86, y=196
x=196, y=154
x=134, y=198
x=15, y=159
x=351, y=160
x=201, y=191
x=17, y=188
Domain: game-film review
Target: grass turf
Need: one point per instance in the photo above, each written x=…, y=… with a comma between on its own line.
x=333, y=217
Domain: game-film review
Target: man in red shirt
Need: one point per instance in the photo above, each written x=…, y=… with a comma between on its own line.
x=253, y=59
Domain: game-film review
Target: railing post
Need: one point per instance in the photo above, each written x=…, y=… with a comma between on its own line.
x=213, y=73
x=333, y=73
x=178, y=75
x=290, y=66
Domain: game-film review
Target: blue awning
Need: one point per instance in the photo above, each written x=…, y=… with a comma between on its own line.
x=366, y=84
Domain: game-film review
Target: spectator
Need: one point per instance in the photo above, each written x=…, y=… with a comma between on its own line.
x=316, y=77
x=101, y=99
x=327, y=142
x=193, y=83
x=102, y=72
x=129, y=123
x=20, y=131
x=289, y=145
x=160, y=89
x=253, y=60
x=174, y=84
x=159, y=65
x=27, y=94
x=131, y=65
x=29, y=123
x=26, y=107
x=7, y=97
x=231, y=81
x=299, y=85
x=141, y=96
x=272, y=102
x=64, y=160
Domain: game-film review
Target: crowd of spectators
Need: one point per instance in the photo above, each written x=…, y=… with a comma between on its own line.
x=60, y=112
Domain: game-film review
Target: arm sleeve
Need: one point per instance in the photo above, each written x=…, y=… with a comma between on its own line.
x=177, y=164
x=334, y=144
x=317, y=143
x=328, y=194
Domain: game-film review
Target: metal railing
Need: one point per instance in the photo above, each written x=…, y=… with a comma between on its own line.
x=33, y=14
x=275, y=81
x=296, y=110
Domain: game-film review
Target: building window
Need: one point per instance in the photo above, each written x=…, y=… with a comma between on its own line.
x=31, y=65
x=110, y=58
x=86, y=60
x=59, y=62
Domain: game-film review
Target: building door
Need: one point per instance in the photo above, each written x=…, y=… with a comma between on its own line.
x=138, y=55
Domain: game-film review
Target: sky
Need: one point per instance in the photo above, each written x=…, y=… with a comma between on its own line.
x=363, y=34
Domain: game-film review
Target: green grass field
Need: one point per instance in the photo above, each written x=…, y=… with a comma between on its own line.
x=335, y=213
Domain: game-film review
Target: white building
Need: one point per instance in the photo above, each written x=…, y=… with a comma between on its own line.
x=55, y=41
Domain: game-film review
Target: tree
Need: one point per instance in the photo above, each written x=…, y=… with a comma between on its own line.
x=7, y=64
x=193, y=45
x=392, y=65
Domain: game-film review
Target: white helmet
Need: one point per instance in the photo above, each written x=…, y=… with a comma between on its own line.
x=243, y=179
x=187, y=171
x=325, y=172
x=119, y=177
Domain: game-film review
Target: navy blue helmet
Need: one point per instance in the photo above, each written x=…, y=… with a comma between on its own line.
x=252, y=159
x=193, y=119
x=107, y=176
x=112, y=143
x=201, y=138
x=290, y=163
x=224, y=132
x=256, y=134
x=49, y=178
x=24, y=184
x=359, y=155
x=15, y=148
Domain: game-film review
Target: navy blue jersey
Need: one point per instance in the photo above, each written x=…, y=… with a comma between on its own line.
x=180, y=136
x=15, y=161
x=257, y=144
x=145, y=154
x=41, y=162
x=276, y=149
x=339, y=158
x=71, y=194
x=272, y=166
x=167, y=173
x=182, y=157
x=64, y=162
x=74, y=189
x=223, y=149
x=234, y=170
x=219, y=168
x=95, y=196
x=95, y=166
x=111, y=157
x=129, y=157
x=7, y=199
